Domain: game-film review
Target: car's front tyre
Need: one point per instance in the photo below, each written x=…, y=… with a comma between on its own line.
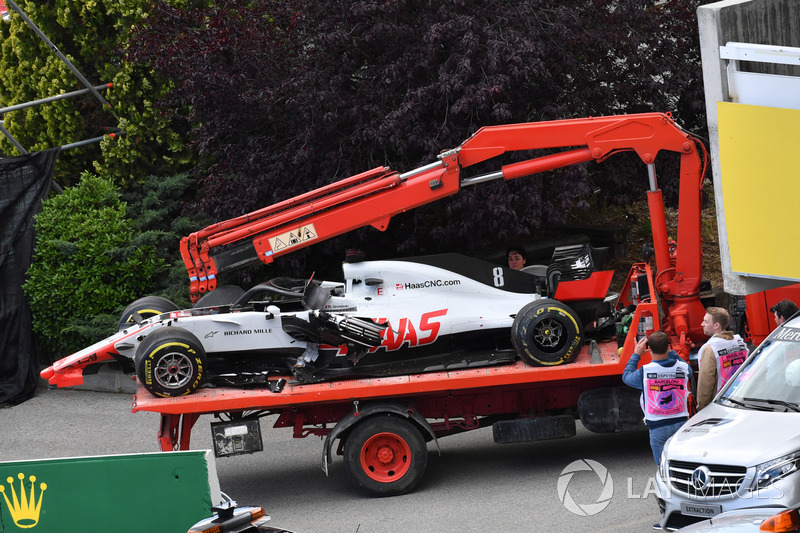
x=171, y=362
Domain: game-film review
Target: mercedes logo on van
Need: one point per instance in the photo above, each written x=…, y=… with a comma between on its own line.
x=701, y=477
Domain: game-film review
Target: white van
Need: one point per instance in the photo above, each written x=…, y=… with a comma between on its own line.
x=742, y=450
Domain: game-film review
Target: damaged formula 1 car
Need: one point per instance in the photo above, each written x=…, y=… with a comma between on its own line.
x=418, y=314
x=388, y=317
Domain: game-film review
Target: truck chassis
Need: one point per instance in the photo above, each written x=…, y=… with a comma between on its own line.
x=383, y=424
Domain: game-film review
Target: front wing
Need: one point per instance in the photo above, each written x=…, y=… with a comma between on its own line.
x=68, y=372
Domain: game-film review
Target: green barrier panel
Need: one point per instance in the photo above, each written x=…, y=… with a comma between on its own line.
x=158, y=492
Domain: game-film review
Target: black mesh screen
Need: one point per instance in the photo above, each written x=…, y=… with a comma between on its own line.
x=24, y=183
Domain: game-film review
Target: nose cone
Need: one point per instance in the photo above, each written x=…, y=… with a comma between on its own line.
x=47, y=373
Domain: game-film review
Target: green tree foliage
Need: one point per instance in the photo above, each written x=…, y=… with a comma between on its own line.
x=92, y=34
x=145, y=162
x=158, y=221
x=85, y=264
x=285, y=96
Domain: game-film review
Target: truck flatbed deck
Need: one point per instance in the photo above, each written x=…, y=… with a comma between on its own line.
x=460, y=400
x=604, y=362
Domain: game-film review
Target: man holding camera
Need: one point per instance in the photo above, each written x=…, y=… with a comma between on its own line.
x=664, y=383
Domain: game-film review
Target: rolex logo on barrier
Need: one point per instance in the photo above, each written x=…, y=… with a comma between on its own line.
x=24, y=507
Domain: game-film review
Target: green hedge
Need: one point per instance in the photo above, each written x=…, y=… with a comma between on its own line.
x=85, y=267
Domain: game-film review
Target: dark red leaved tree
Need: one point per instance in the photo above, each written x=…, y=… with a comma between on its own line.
x=283, y=97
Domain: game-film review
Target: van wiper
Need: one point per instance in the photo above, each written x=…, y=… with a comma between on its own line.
x=746, y=406
x=789, y=405
x=736, y=402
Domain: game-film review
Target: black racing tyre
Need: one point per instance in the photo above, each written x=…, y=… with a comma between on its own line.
x=385, y=455
x=222, y=295
x=547, y=332
x=145, y=308
x=171, y=362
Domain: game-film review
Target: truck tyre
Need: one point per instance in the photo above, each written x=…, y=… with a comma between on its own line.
x=170, y=362
x=385, y=455
x=223, y=295
x=547, y=332
x=145, y=308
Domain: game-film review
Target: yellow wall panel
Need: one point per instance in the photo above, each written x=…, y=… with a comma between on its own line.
x=759, y=150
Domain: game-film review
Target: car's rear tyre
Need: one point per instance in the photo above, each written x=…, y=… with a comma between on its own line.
x=547, y=332
x=145, y=308
x=171, y=362
x=385, y=455
x=223, y=295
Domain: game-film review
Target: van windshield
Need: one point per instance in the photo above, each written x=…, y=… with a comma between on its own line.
x=770, y=380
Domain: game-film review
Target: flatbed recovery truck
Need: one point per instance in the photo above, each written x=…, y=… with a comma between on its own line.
x=382, y=424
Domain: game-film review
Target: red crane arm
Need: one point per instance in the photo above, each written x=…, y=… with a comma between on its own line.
x=373, y=197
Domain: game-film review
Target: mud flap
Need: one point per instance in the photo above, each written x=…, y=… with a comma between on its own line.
x=610, y=409
x=533, y=429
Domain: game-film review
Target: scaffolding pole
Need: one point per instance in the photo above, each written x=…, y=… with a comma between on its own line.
x=89, y=141
x=11, y=139
x=55, y=98
x=94, y=90
x=40, y=101
x=13, y=5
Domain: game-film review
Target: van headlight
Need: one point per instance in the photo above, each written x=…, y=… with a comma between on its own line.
x=771, y=471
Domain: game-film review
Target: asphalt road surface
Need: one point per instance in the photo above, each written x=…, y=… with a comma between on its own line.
x=474, y=485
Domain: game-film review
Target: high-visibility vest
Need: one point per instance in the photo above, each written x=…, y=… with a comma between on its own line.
x=730, y=354
x=665, y=390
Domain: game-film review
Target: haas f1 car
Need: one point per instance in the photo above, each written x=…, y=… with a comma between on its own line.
x=387, y=317
x=418, y=314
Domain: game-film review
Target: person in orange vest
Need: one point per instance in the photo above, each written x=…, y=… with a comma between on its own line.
x=719, y=357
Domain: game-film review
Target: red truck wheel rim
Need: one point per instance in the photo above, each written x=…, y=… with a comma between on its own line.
x=385, y=457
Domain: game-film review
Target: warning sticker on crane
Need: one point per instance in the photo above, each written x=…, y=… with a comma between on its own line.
x=293, y=237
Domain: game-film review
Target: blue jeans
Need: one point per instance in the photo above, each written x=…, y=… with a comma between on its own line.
x=659, y=436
